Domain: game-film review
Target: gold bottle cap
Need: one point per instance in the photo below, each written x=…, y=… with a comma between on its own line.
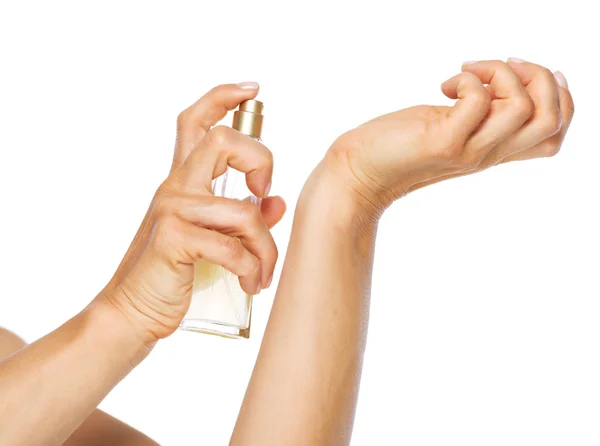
x=248, y=118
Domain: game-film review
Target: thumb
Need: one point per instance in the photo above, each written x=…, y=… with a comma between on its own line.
x=273, y=209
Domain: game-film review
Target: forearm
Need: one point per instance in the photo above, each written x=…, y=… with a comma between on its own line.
x=305, y=382
x=49, y=387
x=101, y=429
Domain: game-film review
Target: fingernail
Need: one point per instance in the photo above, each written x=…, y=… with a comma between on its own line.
x=248, y=85
x=470, y=62
x=269, y=282
x=267, y=189
x=258, y=289
x=561, y=80
x=516, y=60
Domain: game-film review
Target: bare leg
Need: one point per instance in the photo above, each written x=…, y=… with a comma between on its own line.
x=99, y=428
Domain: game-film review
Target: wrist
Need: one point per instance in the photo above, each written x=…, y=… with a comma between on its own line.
x=344, y=161
x=120, y=327
x=333, y=181
x=328, y=196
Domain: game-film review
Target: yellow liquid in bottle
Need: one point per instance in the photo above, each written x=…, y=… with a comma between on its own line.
x=219, y=305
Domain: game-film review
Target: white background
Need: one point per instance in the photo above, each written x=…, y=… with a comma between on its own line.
x=485, y=323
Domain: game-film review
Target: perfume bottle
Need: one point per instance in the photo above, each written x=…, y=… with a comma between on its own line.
x=219, y=306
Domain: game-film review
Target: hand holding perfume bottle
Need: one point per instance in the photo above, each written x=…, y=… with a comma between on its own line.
x=193, y=239
x=219, y=305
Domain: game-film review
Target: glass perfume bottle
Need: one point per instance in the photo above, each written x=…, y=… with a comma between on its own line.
x=219, y=306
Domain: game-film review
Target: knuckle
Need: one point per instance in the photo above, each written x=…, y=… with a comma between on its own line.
x=251, y=267
x=481, y=100
x=548, y=76
x=458, y=155
x=268, y=157
x=551, y=150
x=161, y=206
x=426, y=117
x=219, y=135
x=499, y=65
x=451, y=151
x=232, y=247
x=467, y=76
x=166, y=229
x=216, y=91
x=550, y=124
x=249, y=213
x=184, y=118
x=469, y=80
x=523, y=107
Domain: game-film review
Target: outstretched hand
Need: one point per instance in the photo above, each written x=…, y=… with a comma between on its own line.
x=504, y=112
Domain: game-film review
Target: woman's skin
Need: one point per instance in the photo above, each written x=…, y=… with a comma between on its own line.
x=99, y=428
x=47, y=389
x=304, y=386
x=305, y=383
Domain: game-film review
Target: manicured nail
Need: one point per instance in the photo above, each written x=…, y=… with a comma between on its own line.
x=470, y=62
x=267, y=189
x=561, y=80
x=248, y=85
x=269, y=282
x=258, y=289
x=516, y=60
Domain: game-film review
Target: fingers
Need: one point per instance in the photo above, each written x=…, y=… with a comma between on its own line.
x=234, y=218
x=498, y=75
x=547, y=120
x=510, y=109
x=551, y=145
x=472, y=105
x=223, y=146
x=182, y=242
x=196, y=120
x=543, y=90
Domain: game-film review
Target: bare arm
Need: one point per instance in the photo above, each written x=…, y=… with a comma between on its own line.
x=51, y=386
x=305, y=383
x=304, y=386
x=99, y=428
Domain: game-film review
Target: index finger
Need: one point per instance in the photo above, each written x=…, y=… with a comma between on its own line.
x=221, y=147
x=472, y=106
x=197, y=119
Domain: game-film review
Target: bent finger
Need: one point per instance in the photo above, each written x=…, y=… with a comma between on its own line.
x=197, y=119
x=235, y=218
x=472, y=105
x=221, y=147
x=552, y=145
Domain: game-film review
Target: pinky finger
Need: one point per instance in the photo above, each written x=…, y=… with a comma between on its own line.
x=552, y=145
